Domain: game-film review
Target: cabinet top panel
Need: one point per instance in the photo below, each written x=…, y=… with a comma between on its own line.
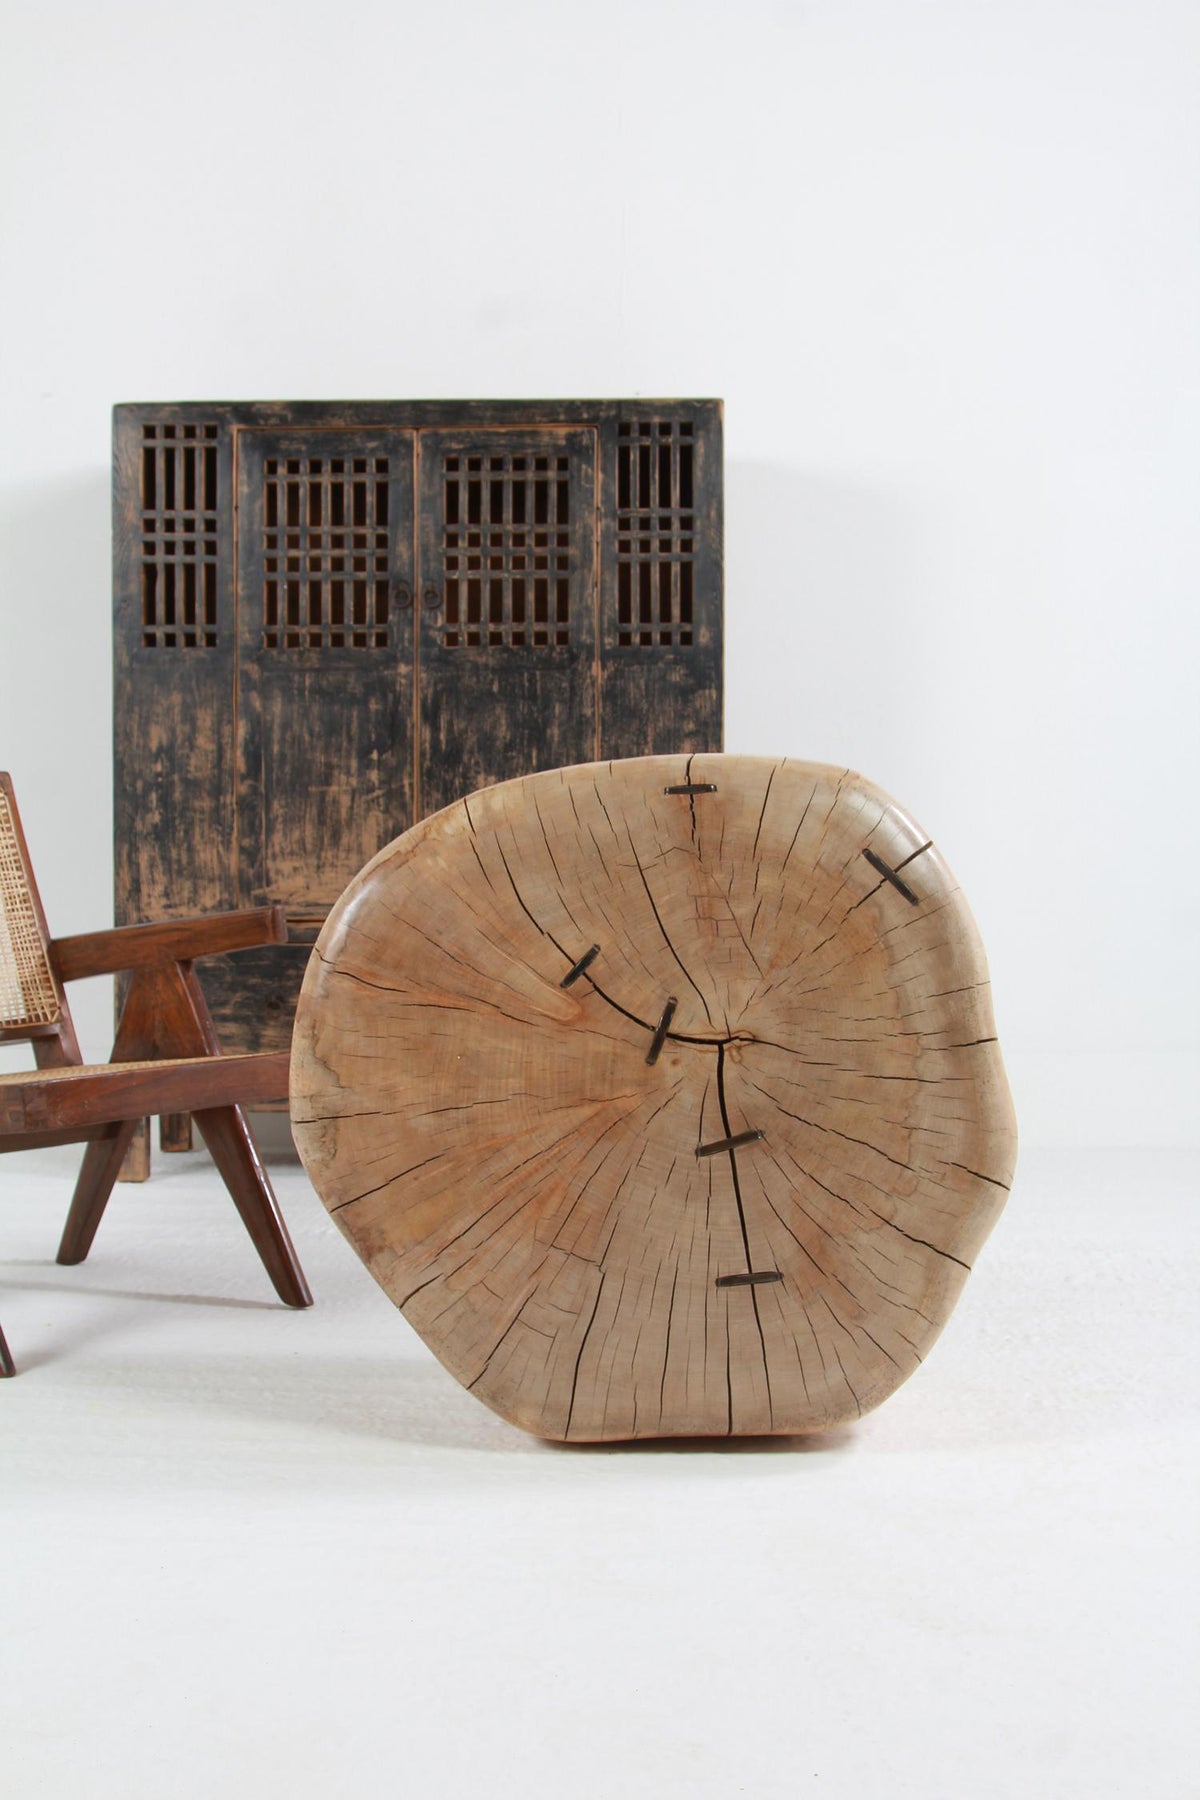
x=414, y=412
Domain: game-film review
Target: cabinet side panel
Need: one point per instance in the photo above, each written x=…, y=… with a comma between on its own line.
x=661, y=580
x=173, y=664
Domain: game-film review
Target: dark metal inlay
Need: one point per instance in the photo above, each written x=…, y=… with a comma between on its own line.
x=581, y=967
x=757, y=1279
x=889, y=874
x=693, y=787
x=729, y=1143
x=661, y=1029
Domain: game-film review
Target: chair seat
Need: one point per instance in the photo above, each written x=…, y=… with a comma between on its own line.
x=56, y=1099
x=76, y=1073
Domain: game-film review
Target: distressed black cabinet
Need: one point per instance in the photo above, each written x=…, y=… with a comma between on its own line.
x=334, y=618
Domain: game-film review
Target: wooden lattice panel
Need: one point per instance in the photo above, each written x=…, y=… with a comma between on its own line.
x=179, y=542
x=326, y=552
x=663, y=1096
x=506, y=550
x=656, y=532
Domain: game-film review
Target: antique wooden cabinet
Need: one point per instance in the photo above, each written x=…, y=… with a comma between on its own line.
x=332, y=619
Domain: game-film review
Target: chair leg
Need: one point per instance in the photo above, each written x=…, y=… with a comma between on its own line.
x=136, y=1166
x=7, y=1365
x=101, y=1162
x=175, y=1131
x=227, y=1134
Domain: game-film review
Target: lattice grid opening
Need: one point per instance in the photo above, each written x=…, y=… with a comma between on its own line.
x=656, y=526
x=27, y=995
x=179, y=537
x=506, y=550
x=326, y=552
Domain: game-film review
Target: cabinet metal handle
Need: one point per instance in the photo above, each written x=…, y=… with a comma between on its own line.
x=403, y=597
x=433, y=596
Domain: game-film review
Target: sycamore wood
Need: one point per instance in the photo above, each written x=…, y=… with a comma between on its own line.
x=662, y=1096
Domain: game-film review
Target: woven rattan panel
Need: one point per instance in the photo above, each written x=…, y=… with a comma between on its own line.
x=27, y=995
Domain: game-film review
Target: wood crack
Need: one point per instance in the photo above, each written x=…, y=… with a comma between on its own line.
x=603, y=1249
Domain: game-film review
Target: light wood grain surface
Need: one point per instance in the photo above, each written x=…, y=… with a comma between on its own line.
x=730, y=1175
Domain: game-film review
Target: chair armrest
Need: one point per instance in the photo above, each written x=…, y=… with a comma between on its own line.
x=170, y=940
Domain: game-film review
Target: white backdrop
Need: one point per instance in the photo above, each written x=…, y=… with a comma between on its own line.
x=940, y=260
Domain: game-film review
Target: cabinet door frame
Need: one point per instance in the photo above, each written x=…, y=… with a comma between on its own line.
x=508, y=628
x=325, y=585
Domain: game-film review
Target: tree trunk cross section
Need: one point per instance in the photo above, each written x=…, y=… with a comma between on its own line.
x=663, y=1096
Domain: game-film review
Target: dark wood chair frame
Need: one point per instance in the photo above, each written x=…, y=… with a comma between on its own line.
x=166, y=1059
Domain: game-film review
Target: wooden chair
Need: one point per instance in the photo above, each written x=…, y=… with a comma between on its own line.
x=165, y=1059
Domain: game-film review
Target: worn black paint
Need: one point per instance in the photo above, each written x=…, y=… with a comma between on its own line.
x=247, y=771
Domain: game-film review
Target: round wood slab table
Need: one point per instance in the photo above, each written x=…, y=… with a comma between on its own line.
x=663, y=1096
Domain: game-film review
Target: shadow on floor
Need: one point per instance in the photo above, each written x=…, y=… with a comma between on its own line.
x=306, y=1406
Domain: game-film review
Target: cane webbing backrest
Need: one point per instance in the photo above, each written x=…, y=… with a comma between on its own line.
x=28, y=996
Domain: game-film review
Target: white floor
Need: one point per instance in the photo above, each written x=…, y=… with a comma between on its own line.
x=253, y=1552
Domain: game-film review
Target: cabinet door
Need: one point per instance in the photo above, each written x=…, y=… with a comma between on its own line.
x=325, y=658
x=507, y=633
